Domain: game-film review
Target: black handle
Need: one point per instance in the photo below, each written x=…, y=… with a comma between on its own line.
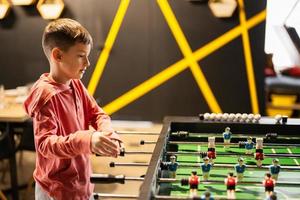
x=107, y=178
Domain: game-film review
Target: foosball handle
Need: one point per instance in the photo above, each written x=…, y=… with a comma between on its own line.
x=112, y=164
x=242, y=144
x=107, y=178
x=142, y=142
x=184, y=181
x=122, y=152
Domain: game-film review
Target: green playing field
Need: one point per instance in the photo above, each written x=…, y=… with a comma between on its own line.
x=243, y=191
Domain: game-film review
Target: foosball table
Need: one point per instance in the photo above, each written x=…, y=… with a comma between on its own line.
x=209, y=149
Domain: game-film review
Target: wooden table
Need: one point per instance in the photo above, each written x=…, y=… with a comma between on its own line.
x=12, y=113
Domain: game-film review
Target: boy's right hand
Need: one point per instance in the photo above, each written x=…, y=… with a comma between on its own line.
x=103, y=145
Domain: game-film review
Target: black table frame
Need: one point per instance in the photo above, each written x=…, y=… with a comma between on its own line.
x=266, y=125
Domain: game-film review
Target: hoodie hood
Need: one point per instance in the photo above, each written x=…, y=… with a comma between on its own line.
x=41, y=92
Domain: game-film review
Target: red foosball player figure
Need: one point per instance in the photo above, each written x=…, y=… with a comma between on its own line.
x=230, y=182
x=259, y=154
x=211, y=151
x=194, y=182
x=269, y=184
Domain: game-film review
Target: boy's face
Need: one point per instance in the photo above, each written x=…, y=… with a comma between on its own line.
x=74, y=61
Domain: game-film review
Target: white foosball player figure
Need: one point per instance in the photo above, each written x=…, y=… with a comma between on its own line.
x=259, y=154
x=211, y=151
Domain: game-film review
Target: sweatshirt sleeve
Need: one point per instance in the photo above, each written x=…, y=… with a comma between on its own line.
x=97, y=117
x=49, y=142
x=100, y=120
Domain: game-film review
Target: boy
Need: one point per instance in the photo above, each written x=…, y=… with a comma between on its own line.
x=62, y=113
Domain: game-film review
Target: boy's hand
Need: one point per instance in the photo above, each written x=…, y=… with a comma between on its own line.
x=103, y=145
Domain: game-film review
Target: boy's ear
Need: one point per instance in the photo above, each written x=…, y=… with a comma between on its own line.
x=56, y=54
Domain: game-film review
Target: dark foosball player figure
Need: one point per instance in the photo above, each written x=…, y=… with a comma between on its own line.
x=269, y=184
x=230, y=182
x=206, y=167
x=227, y=137
x=207, y=196
x=249, y=146
x=240, y=169
x=259, y=154
x=211, y=151
x=274, y=169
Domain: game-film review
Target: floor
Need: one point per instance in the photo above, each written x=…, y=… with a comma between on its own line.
x=101, y=164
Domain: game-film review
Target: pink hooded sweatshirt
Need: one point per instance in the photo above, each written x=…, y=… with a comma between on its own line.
x=61, y=116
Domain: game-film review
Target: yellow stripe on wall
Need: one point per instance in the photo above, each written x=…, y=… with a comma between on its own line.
x=146, y=86
x=248, y=58
x=187, y=52
x=113, y=32
x=180, y=66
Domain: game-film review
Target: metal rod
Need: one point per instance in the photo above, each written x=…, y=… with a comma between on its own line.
x=161, y=197
x=113, y=164
x=234, y=135
x=232, y=144
x=142, y=142
x=118, y=196
x=138, y=152
x=285, y=168
x=232, y=154
x=108, y=178
x=173, y=180
x=136, y=133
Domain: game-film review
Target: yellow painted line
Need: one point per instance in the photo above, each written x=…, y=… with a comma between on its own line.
x=273, y=151
x=257, y=19
x=290, y=152
x=113, y=32
x=188, y=54
x=146, y=86
x=172, y=70
x=248, y=58
x=228, y=36
x=198, y=157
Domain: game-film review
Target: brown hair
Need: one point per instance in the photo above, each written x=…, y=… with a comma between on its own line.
x=64, y=33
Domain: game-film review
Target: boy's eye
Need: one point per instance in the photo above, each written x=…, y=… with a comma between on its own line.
x=81, y=56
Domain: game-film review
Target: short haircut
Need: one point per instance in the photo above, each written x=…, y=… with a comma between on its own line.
x=64, y=33
x=207, y=194
x=268, y=175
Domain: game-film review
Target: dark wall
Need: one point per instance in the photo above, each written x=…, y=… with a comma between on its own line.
x=144, y=47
